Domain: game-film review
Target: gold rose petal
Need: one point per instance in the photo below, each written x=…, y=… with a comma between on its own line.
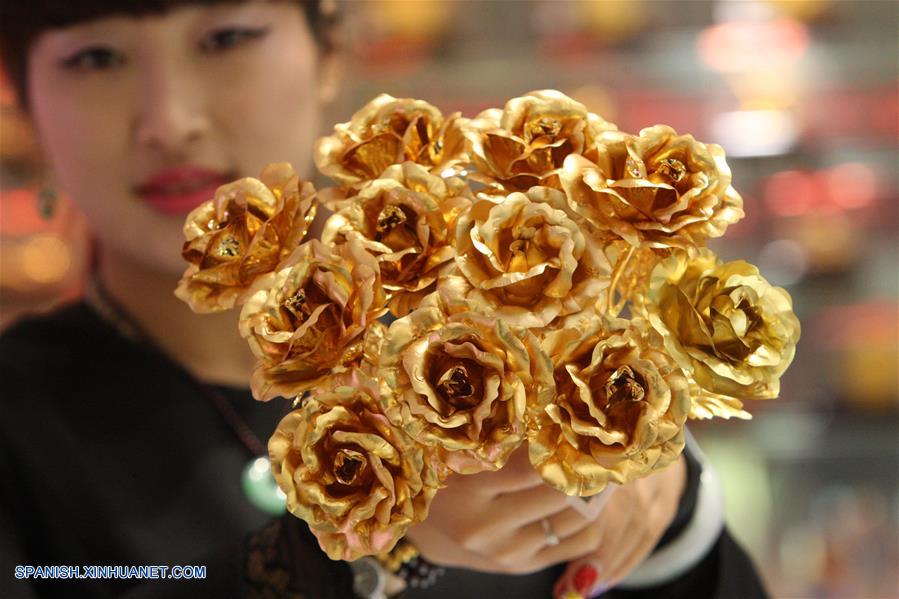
x=526, y=259
x=526, y=143
x=311, y=317
x=241, y=234
x=357, y=480
x=619, y=408
x=727, y=327
x=388, y=131
x=464, y=383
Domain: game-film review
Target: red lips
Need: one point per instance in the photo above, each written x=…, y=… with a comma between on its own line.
x=179, y=190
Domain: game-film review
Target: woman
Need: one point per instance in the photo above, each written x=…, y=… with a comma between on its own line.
x=127, y=422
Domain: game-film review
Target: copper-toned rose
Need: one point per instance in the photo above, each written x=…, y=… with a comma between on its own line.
x=726, y=326
x=389, y=131
x=464, y=383
x=308, y=319
x=406, y=218
x=357, y=480
x=619, y=410
x=658, y=189
x=243, y=232
x=526, y=143
x=525, y=259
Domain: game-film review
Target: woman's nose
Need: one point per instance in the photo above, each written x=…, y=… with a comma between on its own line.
x=170, y=112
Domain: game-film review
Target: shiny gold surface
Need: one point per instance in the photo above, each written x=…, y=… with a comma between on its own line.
x=311, y=317
x=242, y=233
x=656, y=189
x=619, y=407
x=508, y=246
x=390, y=131
x=464, y=383
x=525, y=258
x=726, y=326
x=358, y=481
x=406, y=219
x=526, y=143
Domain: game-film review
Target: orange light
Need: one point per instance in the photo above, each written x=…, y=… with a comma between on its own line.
x=45, y=259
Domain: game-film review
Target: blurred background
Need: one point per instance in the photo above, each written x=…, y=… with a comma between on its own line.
x=802, y=95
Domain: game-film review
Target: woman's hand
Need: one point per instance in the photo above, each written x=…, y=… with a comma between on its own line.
x=493, y=521
x=629, y=527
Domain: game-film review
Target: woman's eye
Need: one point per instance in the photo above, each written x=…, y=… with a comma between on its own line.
x=223, y=39
x=94, y=59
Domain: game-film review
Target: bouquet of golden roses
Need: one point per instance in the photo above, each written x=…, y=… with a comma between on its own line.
x=531, y=275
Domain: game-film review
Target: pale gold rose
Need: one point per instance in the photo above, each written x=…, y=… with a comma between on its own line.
x=619, y=409
x=463, y=383
x=243, y=232
x=406, y=219
x=525, y=259
x=657, y=189
x=727, y=327
x=309, y=318
x=357, y=480
x=390, y=131
x=526, y=143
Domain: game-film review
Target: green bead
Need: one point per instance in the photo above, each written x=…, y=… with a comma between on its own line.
x=261, y=489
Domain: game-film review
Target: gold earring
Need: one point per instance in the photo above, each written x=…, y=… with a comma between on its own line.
x=47, y=201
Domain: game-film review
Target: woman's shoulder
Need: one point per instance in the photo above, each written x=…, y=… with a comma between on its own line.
x=65, y=322
x=35, y=341
x=44, y=352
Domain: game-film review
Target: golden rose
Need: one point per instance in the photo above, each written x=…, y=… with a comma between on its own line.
x=406, y=219
x=389, y=131
x=523, y=258
x=658, y=189
x=243, y=232
x=308, y=318
x=464, y=383
x=358, y=481
x=526, y=143
x=726, y=326
x=619, y=410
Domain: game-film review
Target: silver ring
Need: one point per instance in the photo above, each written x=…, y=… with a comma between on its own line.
x=552, y=539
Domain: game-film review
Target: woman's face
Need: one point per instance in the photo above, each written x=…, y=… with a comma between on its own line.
x=142, y=118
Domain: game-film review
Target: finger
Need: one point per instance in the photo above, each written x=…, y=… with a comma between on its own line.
x=516, y=552
x=583, y=576
x=567, y=523
x=624, y=553
x=583, y=542
x=523, y=507
x=433, y=544
x=628, y=562
x=501, y=528
x=517, y=475
x=590, y=573
x=539, y=535
x=636, y=548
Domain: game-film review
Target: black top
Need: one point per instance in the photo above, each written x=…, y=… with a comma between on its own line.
x=109, y=456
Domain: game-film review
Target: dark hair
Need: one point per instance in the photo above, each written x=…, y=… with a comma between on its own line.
x=24, y=20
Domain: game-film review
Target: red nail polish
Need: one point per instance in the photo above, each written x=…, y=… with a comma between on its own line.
x=584, y=579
